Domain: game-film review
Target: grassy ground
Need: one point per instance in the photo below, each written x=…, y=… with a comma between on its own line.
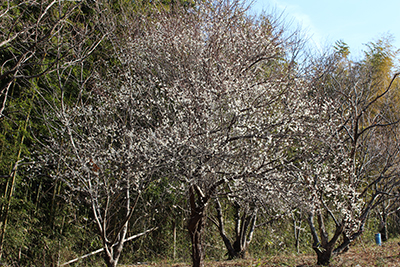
x=359, y=255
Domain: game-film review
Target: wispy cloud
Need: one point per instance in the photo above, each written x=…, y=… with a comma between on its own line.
x=300, y=19
x=356, y=22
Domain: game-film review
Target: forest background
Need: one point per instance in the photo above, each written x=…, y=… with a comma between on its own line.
x=153, y=130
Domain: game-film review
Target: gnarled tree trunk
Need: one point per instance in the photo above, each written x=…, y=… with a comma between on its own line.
x=324, y=248
x=244, y=228
x=196, y=225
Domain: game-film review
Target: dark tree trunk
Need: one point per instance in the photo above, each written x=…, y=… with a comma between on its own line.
x=244, y=229
x=112, y=253
x=324, y=258
x=324, y=248
x=324, y=255
x=240, y=252
x=196, y=227
x=383, y=227
x=221, y=227
x=347, y=240
x=110, y=262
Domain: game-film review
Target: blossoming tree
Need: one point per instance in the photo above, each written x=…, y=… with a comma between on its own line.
x=350, y=167
x=228, y=98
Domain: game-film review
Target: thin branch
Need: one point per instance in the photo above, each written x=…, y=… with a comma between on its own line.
x=102, y=249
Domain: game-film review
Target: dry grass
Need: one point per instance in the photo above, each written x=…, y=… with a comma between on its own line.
x=387, y=255
x=359, y=255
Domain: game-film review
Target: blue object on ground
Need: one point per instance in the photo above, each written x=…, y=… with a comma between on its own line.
x=378, y=239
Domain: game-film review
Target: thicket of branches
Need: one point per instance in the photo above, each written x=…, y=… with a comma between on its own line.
x=168, y=129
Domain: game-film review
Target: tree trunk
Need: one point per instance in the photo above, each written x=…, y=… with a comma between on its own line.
x=245, y=235
x=363, y=219
x=296, y=232
x=221, y=227
x=323, y=248
x=196, y=227
x=244, y=229
x=174, y=237
x=324, y=255
x=110, y=262
x=345, y=240
x=113, y=252
x=383, y=227
x=195, y=230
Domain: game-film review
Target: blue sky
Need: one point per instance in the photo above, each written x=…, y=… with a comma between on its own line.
x=356, y=22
